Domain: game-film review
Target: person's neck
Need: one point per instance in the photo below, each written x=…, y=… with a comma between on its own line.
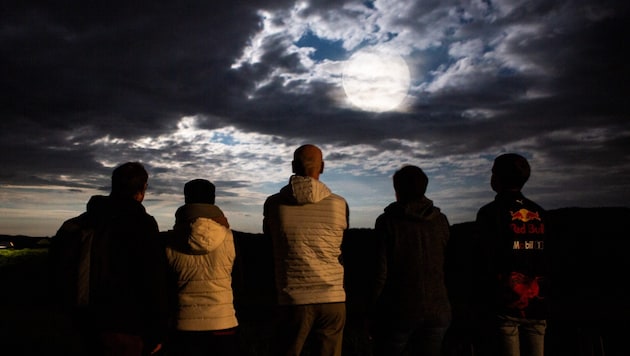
x=509, y=191
x=311, y=175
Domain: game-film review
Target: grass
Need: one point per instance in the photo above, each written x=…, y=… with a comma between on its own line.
x=22, y=257
x=23, y=273
x=27, y=322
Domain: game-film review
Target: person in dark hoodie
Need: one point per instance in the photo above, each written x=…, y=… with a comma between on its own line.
x=201, y=255
x=411, y=311
x=108, y=267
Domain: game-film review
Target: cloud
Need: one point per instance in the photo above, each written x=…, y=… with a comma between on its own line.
x=227, y=90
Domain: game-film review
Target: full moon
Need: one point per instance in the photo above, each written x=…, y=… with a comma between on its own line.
x=376, y=81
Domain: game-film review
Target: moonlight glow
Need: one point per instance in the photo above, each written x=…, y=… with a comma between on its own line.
x=376, y=81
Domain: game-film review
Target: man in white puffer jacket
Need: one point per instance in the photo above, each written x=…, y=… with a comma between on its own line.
x=201, y=254
x=306, y=223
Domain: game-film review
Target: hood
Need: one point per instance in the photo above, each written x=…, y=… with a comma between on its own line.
x=307, y=190
x=188, y=212
x=422, y=209
x=204, y=236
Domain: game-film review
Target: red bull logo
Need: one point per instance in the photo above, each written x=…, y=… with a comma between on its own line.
x=525, y=215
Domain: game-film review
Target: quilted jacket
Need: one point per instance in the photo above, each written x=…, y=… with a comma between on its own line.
x=201, y=256
x=306, y=222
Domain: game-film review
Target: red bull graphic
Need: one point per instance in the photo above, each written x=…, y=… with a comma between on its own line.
x=526, y=222
x=521, y=289
x=525, y=215
x=535, y=229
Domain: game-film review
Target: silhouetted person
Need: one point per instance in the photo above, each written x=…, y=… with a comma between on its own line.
x=512, y=264
x=201, y=254
x=108, y=270
x=412, y=311
x=306, y=222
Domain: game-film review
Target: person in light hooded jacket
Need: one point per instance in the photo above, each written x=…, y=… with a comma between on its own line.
x=411, y=309
x=306, y=224
x=201, y=254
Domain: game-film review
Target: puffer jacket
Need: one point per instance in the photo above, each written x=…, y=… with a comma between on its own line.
x=306, y=222
x=201, y=256
x=410, y=282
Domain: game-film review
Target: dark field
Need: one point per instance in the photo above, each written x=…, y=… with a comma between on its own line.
x=590, y=313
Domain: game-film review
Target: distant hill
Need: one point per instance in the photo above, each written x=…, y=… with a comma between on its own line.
x=21, y=241
x=574, y=219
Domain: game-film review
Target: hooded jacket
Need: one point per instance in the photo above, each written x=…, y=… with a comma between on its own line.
x=410, y=282
x=306, y=222
x=201, y=256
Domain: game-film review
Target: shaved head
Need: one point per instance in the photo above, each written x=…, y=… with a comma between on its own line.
x=308, y=161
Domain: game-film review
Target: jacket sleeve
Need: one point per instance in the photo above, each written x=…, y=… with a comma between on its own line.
x=380, y=261
x=155, y=286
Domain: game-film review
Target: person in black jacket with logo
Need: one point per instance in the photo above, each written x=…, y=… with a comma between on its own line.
x=512, y=263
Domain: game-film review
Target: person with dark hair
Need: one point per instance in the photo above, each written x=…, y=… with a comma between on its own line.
x=129, y=180
x=199, y=191
x=201, y=254
x=108, y=270
x=199, y=197
x=306, y=224
x=411, y=311
x=512, y=263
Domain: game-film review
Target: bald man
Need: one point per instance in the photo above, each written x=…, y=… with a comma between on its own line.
x=306, y=223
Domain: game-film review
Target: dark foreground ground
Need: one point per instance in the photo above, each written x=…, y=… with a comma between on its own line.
x=590, y=313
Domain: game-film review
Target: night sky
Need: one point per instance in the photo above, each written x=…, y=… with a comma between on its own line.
x=226, y=90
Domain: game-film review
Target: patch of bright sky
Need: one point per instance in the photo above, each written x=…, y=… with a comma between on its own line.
x=219, y=150
x=224, y=138
x=323, y=48
x=60, y=204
